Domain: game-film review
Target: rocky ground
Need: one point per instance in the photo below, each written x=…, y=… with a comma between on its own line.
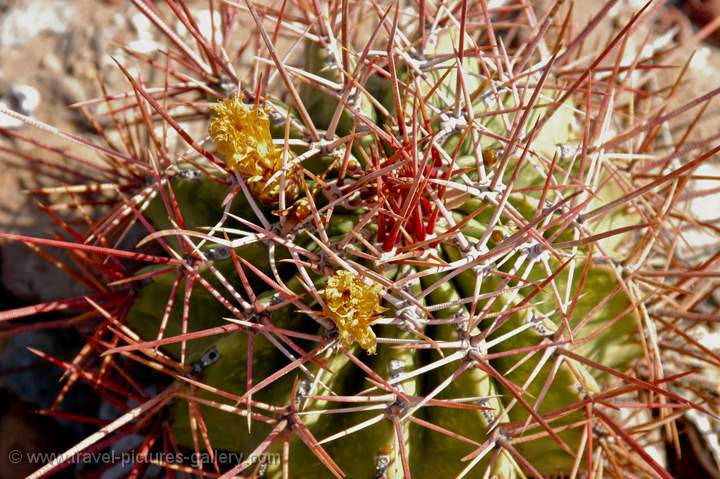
x=50, y=54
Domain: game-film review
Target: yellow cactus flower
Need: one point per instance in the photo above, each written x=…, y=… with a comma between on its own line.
x=297, y=212
x=353, y=305
x=242, y=135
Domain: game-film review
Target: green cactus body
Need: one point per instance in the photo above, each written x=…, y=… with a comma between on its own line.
x=324, y=61
x=486, y=407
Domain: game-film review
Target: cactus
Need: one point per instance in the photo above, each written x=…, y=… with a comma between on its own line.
x=383, y=265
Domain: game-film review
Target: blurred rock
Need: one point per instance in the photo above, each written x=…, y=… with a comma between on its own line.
x=141, y=25
x=67, y=90
x=703, y=12
x=699, y=201
x=22, y=23
x=23, y=99
x=145, y=42
x=70, y=90
x=144, y=45
x=8, y=121
x=30, y=278
x=51, y=63
x=23, y=430
x=34, y=380
x=206, y=22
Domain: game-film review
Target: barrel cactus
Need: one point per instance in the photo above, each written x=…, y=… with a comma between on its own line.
x=416, y=252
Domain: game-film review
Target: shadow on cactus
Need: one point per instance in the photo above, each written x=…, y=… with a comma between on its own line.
x=422, y=250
